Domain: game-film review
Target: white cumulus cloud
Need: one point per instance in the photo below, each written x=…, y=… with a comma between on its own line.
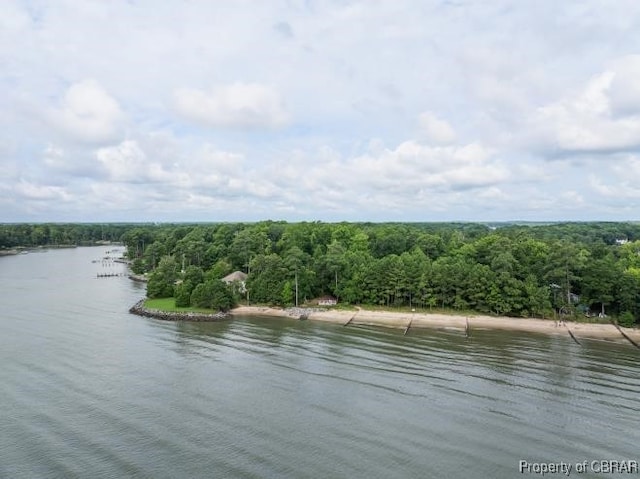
x=239, y=105
x=603, y=116
x=88, y=113
x=127, y=162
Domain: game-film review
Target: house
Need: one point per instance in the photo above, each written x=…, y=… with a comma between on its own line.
x=327, y=301
x=237, y=278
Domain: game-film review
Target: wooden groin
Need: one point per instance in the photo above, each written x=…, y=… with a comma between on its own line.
x=110, y=275
x=351, y=318
x=406, y=330
x=615, y=323
x=572, y=336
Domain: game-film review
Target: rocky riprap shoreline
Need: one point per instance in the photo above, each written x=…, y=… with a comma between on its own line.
x=140, y=310
x=302, y=313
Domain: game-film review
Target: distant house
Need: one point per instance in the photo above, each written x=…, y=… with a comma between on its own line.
x=327, y=301
x=237, y=278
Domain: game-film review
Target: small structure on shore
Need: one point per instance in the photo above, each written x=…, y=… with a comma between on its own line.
x=327, y=301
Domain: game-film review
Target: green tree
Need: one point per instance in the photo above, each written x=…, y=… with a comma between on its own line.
x=536, y=297
x=266, y=281
x=247, y=244
x=162, y=279
x=294, y=260
x=565, y=264
x=194, y=275
x=212, y=294
x=626, y=319
x=628, y=291
x=598, y=281
x=287, y=294
x=183, y=293
x=335, y=261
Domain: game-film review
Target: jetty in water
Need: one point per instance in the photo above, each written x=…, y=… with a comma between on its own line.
x=110, y=275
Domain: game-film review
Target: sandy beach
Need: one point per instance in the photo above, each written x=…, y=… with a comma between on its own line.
x=404, y=320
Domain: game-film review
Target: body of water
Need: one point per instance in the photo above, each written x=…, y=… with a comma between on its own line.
x=88, y=390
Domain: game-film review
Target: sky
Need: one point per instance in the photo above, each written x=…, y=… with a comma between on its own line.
x=303, y=110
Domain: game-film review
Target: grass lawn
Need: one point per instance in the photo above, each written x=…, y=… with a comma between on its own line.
x=169, y=305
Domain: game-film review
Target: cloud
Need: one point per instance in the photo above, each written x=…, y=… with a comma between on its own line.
x=127, y=162
x=624, y=92
x=207, y=170
x=284, y=29
x=437, y=130
x=13, y=18
x=53, y=156
x=171, y=113
x=87, y=113
x=32, y=191
x=604, y=116
x=410, y=178
x=239, y=105
x=625, y=182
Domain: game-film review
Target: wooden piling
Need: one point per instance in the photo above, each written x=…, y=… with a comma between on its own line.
x=467, y=328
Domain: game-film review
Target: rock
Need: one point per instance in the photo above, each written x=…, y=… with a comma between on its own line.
x=140, y=310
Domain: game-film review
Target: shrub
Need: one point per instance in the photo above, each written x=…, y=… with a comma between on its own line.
x=626, y=319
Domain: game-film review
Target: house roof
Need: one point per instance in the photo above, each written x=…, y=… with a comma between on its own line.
x=235, y=276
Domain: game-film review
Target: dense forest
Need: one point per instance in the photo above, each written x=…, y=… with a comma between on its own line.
x=579, y=269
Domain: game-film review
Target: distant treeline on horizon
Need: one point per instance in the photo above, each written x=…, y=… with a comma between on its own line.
x=511, y=268
x=25, y=234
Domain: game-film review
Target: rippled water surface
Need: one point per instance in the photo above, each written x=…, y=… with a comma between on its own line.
x=88, y=390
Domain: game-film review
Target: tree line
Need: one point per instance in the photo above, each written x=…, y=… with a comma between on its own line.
x=506, y=269
x=49, y=234
x=583, y=269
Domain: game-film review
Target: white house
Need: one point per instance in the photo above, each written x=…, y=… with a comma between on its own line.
x=239, y=278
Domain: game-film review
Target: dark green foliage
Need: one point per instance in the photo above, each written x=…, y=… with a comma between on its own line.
x=626, y=319
x=212, y=294
x=183, y=293
x=12, y=235
x=267, y=279
x=513, y=270
x=193, y=275
x=158, y=287
x=138, y=266
x=520, y=270
x=162, y=280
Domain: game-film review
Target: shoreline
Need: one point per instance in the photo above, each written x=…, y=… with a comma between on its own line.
x=406, y=321
x=139, y=309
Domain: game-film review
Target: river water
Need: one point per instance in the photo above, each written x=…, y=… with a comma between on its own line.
x=88, y=390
